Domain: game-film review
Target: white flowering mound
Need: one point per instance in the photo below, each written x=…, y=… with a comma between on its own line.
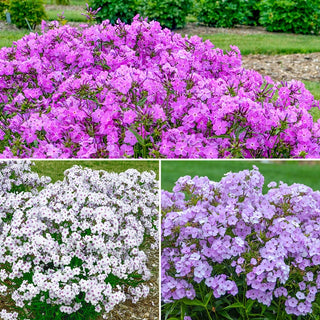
x=77, y=245
x=17, y=176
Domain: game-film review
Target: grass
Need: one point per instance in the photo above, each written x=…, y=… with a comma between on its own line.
x=315, y=112
x=275, y=43
x=287, y=171
x=55, y=169
x=70, y=15
x=314, y=88
x=8, y=37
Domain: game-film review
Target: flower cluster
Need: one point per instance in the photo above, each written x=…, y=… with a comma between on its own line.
x=230, y=230
x=15, y=174
x=79, y=244
x=142, y=91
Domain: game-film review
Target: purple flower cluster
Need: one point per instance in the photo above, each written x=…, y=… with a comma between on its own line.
x=271, y=240
x=142, y=91
x=80, y=237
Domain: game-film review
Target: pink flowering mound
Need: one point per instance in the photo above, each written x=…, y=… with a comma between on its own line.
x=139, y=90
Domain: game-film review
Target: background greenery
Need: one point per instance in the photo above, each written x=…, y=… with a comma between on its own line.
x=56, y=168
x=291, y=171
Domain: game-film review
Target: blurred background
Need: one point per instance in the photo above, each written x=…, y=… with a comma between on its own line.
x=55, y=169
x=288, y=171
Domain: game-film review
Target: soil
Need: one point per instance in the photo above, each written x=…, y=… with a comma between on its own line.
x=278, y=67
x=147, y=308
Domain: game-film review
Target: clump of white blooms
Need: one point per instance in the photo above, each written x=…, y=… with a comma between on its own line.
x=15, y=174
x=17, y=184
x=80, y=242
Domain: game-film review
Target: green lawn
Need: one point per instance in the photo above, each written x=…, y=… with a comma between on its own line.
x=55, y=169
x=314, y=88
x=70, y=15
x=273, y=43
x=6, y=38
x=289, y=172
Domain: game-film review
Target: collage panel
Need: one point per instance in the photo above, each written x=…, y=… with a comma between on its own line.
x=79, y=240
x=240, y=240
x=159, y=79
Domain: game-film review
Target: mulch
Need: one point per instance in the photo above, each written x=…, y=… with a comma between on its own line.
x=279, y=67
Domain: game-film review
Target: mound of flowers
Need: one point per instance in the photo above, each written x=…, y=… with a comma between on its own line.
x=227, y=246
x=142, y=91
x=77, y=248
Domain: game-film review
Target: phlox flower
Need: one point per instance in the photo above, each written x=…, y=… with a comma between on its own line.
x=186, y=98
x=84, y=234
x=221, y=234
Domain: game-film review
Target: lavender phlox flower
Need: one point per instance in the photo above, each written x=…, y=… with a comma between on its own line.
x=270, y=240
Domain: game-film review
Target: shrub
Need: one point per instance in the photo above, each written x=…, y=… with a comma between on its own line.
x=220, y=13
x=251, y=12
x=142, y=91
x=4, y=5
x=112, y=10
x=169, y=13
x=297, y=16
x=78, y=244
x=63, y=2
x=32, y=10
x=231, y=252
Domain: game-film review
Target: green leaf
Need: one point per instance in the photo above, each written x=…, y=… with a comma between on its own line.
x=139, y=138
x=221, y=136
x=142, y=101
x=207, y=298
x=226, y=315
x=194, y=302
x=249, y=305
x=235, y=305
x=35, y=143
x=170, y=308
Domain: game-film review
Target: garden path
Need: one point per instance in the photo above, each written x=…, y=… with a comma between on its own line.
x=278, y=67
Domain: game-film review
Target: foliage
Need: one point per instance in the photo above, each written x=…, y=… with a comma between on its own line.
x=251, y=12
x=220, y=13
x=30, y=10
x=63, y=2
x=297, y=16
x=113, y=10
x=78, y=243
x=4, y=5
x=231, y=252
x=142, y=91
x=169, y=13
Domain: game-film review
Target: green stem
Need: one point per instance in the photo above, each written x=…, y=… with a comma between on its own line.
x=278, y=312
x=210, y=316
